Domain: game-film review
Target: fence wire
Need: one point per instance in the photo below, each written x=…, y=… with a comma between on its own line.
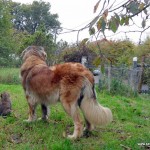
x=124, y=78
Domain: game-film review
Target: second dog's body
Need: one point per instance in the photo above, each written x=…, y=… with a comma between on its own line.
x=5, y=104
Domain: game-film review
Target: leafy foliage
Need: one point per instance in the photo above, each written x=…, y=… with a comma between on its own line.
x=115, y=52
x=22, y=25
x=120, y=16
x=6, y=43
x=30, y=17
x=143, y=50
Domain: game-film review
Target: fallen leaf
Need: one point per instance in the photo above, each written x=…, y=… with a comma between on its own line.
x=16, y=138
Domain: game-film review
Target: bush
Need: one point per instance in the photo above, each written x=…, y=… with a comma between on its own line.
x=117, y=87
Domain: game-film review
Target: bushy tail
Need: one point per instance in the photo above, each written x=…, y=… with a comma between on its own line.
x=92, y=110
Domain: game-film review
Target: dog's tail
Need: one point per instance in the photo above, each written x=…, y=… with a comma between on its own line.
x=93, y=112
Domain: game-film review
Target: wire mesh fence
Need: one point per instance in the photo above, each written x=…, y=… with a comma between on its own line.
x=122, y=80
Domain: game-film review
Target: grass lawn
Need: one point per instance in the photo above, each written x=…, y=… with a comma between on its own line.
x=9, y=75
x=131, y=126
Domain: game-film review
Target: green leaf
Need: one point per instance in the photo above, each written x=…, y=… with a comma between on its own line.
x=103, y=25
x=102, y=68
x=97, y=61
x=92, y=31
x=99, y=24
x=133, y=7
x=113, y=24
x=84, y=41
x=117, y=18
x=122, y=21
x=127, y=20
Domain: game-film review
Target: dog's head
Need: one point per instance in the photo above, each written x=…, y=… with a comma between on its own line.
x=34, y=50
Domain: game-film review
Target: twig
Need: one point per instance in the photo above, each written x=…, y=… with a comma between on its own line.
x=126, y=147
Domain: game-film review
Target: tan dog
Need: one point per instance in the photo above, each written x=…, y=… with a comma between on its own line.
x=70, y=83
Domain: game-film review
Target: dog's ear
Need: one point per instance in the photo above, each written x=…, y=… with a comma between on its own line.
x=22, y=54
x=44, y=54
x=42, y=51
x=28, y=48
x=40, y=48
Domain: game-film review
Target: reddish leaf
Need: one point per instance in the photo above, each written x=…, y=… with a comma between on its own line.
x=96, y=6
x=101, y=24
x=141, y=6
x=105, y=14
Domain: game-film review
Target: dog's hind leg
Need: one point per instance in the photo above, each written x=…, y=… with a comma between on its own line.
x=73, y=111
x=89, y=127
x=32, y=106
x=45, y=112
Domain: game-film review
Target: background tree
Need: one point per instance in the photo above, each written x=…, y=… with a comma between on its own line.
x=6, y=43
x=39, y=23
x=41, y=38
x=143, y=53
x=22, y=25
x=29, y=17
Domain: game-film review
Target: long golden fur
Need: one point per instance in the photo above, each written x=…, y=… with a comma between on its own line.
x=70, y=83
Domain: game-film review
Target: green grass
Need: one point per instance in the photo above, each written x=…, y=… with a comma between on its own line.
x=130, y=126
x=9, y=75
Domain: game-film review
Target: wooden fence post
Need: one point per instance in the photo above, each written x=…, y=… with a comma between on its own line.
x=109, y=78
x=142, y=74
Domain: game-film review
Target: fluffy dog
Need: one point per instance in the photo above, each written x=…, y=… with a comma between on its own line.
x=5, y=104
x=70, y=83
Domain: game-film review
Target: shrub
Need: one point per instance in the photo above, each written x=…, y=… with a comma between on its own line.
x=117, y=87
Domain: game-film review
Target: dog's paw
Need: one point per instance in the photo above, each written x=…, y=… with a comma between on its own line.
x=39, y=119
x=45, y=119
x=91, y=128
x=71, y=137
x=28, y=120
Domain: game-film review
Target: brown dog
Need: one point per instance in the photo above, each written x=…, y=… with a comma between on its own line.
x=5, y=104
x=71, y=83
